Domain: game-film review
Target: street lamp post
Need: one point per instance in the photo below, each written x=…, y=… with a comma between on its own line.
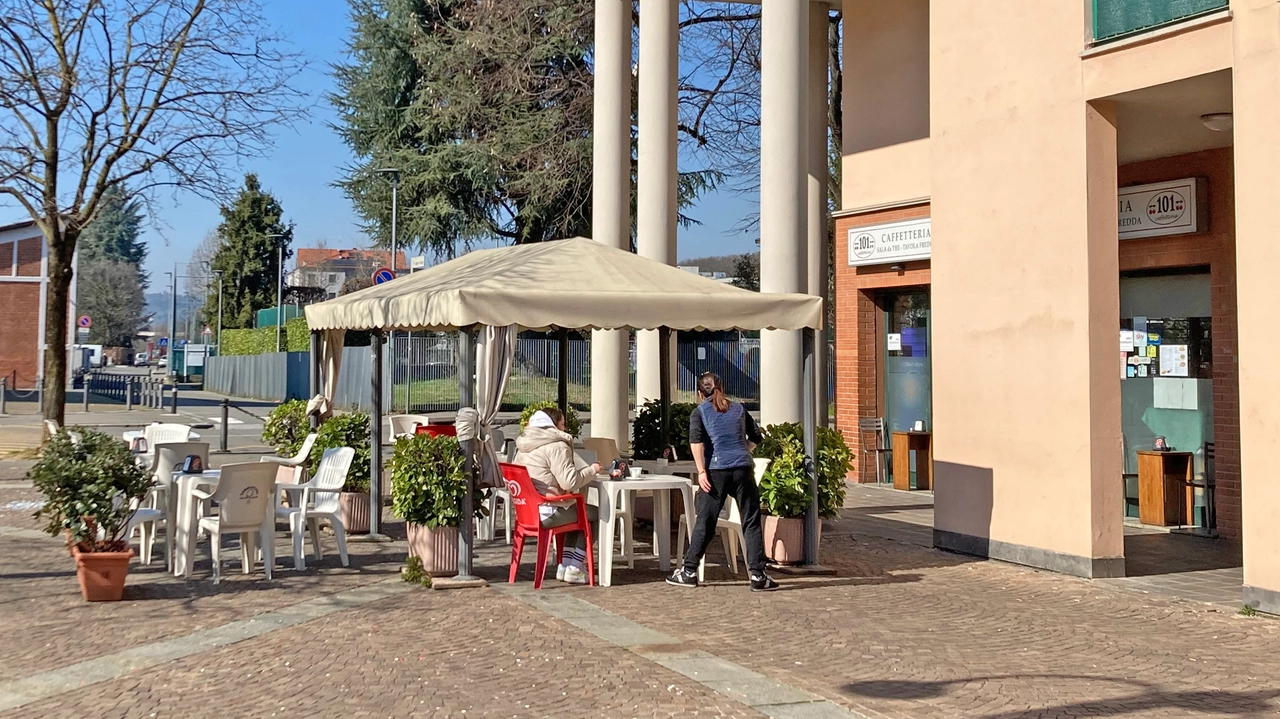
x=394, y=173
x=219, y=345
x=279, y=285
x=173, y=316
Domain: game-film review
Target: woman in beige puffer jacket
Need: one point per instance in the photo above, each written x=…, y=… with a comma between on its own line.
x=546, y=451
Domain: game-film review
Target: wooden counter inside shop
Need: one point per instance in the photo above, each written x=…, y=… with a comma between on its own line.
x=1164, y=488
x=904, y=443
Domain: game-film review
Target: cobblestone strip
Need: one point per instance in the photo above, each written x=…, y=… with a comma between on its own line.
x=767, y=696
x=20, y=533
x=58, y=681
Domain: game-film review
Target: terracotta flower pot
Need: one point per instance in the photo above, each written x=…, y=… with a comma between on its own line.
x=355, y=512
x=784, y=539
x=437, y=548
x=102, y=574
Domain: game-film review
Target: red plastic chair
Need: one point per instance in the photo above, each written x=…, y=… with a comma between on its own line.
x=437, y=430
x=526, y=500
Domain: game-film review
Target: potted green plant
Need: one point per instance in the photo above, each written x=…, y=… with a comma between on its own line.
x=91, y=485
x=646, y=431
x=348, y=430
x=571, y=420
x=428, y=483
x=785, y=493
x=286, y=427
x=784, y=499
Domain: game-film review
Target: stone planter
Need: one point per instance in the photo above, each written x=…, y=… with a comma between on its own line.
x=102, y=574
x=784, y=539
x=437, y=548
x=355, y=512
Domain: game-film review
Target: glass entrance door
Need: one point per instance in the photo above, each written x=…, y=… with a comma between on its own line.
x=1167, y=372
x=908, y=368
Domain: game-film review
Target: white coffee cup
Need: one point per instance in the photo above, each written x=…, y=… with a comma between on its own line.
x=662, y=462
x=636, y=472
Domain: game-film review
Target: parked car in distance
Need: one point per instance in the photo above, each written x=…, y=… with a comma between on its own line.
x=140, y=359
x=162, y=362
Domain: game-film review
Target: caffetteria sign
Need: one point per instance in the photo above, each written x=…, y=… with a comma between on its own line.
x=890, y=242
x=1163, y=208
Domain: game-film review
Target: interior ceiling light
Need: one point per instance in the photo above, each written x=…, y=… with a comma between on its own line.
x=1217, y=121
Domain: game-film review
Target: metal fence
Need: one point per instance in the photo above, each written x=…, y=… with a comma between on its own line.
x=420, y=373
x=277, y=376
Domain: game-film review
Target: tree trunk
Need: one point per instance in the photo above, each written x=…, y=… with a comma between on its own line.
x=61, y=248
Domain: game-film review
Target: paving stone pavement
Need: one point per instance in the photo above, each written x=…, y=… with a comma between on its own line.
x=901, y=631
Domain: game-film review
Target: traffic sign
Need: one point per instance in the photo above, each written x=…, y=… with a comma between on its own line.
x=82, y=333
x=383, y=275
x=84, y=322
x=206, y=331
x=417, y=263
x=164, y=342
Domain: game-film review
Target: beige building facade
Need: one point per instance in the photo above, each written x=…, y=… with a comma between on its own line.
x=1101, y=177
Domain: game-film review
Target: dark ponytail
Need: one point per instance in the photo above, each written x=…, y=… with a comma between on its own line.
x=712, y=389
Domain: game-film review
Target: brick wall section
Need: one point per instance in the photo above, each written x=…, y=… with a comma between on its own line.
x=1216, y=249
x=29, y=258
x=19, y=333
x=6, y=259
x=858, y=305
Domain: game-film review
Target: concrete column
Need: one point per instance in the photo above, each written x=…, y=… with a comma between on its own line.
x=611, y=204
x=784, y=170
x=818, y=106
x=1255, y=76
x=1106, y=495
x=656, y=172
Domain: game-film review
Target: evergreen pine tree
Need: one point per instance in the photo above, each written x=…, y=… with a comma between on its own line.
x=247, y=256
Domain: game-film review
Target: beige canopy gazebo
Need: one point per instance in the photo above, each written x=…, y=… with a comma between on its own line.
x=574, y=284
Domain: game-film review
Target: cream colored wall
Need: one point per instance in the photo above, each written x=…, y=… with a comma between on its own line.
x=1025, y=282
x=1196, y=48
x=1256, y=99
x=886, y=102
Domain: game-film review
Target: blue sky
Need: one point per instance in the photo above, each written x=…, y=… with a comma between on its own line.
x=310, y=156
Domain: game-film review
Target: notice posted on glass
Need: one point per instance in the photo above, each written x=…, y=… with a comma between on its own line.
x=1173, y=360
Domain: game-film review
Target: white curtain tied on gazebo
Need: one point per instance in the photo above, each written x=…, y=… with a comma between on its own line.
x=497, y=351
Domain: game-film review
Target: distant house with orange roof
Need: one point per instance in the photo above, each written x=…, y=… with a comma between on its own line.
x=329, y=269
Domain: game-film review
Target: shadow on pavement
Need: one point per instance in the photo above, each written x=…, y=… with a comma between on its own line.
x=1148, y=697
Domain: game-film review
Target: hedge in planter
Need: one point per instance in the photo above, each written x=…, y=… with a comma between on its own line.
x=428, y=484
x=571, y=420
x=287, y=427
x=646, y=432
x=90, y=486
x=833, y=461
x=346, y=430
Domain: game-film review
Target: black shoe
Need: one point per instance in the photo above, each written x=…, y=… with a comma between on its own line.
x=681, y=578
x=761, y=583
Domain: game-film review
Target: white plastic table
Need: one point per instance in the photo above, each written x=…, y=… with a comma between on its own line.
x=186, y=520
x=651, y=465
x=608, y=493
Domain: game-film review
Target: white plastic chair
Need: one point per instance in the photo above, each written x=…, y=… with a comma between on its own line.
x=244, y=498
x=144, y=520
x=319, y=501
x=158, y=433
x=407, y=424
x=729, y=527
x=488, y=525
x=164, y=458
x=296, y=460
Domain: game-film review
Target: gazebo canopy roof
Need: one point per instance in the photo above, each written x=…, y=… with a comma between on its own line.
x=570, y=284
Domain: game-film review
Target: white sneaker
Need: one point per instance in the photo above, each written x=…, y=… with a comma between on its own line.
x=574, y=575
x=560, y=572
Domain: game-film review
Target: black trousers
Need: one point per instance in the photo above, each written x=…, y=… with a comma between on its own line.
x=739, y=483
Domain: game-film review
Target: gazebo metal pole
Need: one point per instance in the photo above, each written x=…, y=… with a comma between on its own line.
x=664, y=379
x=810, y=408
x=315, y=373
x=466, y=398
x=562, y=391
x=375, y=434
